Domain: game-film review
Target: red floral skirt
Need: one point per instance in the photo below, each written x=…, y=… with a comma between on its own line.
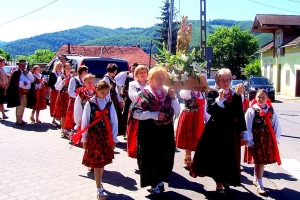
x=40, y=96
x=132, y=129
x=53, y=96
x=263, y=149
x=69, y=121
x=188, y=130
x=60, y=109
x=97, y=153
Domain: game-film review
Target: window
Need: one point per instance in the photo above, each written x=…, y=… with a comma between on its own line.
x=279, y=42
x=287, y=77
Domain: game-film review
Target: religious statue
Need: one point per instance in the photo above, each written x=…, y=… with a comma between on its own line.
x=184, y=36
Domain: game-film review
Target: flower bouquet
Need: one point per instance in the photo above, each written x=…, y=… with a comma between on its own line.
x=184, y=72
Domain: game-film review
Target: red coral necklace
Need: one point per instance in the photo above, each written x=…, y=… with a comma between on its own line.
x=158, y=96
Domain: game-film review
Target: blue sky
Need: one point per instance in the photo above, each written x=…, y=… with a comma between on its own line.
x=67, y=14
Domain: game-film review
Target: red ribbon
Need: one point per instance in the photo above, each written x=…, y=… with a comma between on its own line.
x=267, y=119
x=100, y=115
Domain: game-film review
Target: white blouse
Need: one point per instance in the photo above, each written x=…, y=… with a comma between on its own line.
x=107, y=80
x=132, y=90
x=120, y=78
x=220, y=102
x=186, y=95
x=144, y=115
x=72, y=86
x=249, y=116
x=59, y=83
x=28, y=78
x=38, y=85
x=86, y=117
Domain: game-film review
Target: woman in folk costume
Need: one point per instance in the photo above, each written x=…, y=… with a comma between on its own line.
x=218, y=151
x=57, y=71
x=62, y=99
x=74, y=86
x=155, y=108
x=122, y=80
x=83, y=96
x=100, y=129
x=114, y=94
x=263, y=132
x=191, y=122
x=40, y=94
x=140, y=76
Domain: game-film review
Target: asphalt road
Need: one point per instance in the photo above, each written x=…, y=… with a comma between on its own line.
x=35, y=163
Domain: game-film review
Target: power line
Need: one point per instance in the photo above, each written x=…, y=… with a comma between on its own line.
x=28, y=13
x=274, y=7
x=294, y=1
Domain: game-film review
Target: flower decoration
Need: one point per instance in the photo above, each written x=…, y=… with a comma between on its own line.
x=182, y=65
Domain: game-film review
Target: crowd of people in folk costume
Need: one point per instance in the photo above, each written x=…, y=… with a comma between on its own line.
x=213, y=124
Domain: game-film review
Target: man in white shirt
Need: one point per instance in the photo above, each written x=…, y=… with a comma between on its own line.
x=20, y=93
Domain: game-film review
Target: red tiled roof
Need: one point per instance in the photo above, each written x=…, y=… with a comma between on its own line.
x=131, y=53
x=266, y=47
x=267, y=23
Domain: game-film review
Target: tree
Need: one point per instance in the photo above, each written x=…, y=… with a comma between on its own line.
x=232, y=48
x=253, y=69
x=6, y=55
x=39, y=56
x=163, y=27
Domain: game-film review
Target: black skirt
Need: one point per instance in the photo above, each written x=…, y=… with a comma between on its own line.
x=2, y=96
x=155, y=152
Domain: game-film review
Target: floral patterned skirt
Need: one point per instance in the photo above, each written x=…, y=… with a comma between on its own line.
x=40, y=96
x=69, y=122
x=53, y=96
x=188, y=130
x=97, y=153
x=60, y=105
x=263, y=149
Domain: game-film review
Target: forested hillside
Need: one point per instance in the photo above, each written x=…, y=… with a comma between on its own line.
x=93, y=35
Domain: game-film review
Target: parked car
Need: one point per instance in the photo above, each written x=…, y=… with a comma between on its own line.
x=235, y=82
x=211, y=82
x=9, y=69
x=255, y=83
x=96, y=65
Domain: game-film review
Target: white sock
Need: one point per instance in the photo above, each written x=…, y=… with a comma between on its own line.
x=100, y=191
x=260, y=183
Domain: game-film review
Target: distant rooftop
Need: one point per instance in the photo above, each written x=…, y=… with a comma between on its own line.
x=268, y=23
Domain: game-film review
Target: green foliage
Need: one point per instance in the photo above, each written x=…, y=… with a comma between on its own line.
x=39, y=56
x=162, y=28
x=232, y=48
x=253, y=69
x=6, y=55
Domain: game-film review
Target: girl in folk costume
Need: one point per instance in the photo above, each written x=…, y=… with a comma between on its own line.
x=122, y=80
x=57, y=71
x=84, y=94
x=155, y=108
x=74, y=86
x=218, y=152
x=3, y=86
x=263, y=132
x=100, y=129
x=62, y=99
x=39, y=94
x=140, y=76
x=114, y=94
x=191, y=122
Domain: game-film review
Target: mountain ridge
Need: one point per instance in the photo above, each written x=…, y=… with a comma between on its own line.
x=96, y=35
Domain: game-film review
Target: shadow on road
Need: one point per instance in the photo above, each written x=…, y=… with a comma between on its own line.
x=42, y=127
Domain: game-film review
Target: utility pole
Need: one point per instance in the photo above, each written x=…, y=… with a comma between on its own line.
x=171, y=14
x=203, y=28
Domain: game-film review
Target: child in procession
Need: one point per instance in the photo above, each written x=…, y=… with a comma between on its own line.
x=100, y=129
x=40, y=94
x=263, y=132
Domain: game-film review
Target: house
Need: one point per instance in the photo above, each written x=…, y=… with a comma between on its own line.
x=280, y=58
x=130, y=53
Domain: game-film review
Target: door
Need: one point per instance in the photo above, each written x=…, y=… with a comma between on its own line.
x=278, y=78
x=297, y=83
